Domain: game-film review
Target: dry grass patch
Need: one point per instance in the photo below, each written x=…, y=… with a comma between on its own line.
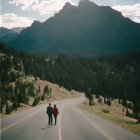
x=115, y=114
x=57, y=93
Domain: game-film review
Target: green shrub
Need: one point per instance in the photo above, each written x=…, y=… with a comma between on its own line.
x=36, y=100
x=100, y=100
x=105, y=110
x=42, y=97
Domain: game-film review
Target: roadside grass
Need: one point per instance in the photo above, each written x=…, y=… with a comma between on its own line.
x=127, y=124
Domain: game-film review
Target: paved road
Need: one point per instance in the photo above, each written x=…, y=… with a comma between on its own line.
x=73, y=124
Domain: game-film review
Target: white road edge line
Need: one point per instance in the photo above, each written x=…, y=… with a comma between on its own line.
x=19, y=121
x=109, y=137
x=28, y=109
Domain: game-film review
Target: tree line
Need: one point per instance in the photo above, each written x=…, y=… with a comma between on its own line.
x=111, y=76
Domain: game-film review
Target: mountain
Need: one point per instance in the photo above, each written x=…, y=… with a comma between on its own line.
x=18, y=29
x=83, y=30
x=6, y=34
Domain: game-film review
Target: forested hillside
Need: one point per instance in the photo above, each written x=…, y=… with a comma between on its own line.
x=113, y=76
x=19, y=90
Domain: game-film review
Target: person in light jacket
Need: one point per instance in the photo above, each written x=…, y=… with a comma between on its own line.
x=55, y=113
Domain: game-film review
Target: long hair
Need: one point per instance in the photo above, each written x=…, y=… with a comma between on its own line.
x=55, y=106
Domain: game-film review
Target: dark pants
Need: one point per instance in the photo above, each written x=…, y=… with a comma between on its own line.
x=55, y=117
x=49, y=119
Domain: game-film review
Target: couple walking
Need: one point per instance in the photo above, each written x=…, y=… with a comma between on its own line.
x=52, y=111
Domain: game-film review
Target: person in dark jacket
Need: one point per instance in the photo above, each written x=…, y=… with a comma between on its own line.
x=49, y=112
x=55, y=113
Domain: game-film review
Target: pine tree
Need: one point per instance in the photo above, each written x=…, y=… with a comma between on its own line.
x=7, y=108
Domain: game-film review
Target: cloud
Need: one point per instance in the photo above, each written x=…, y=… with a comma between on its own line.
x=114, y=1
x=131, y=11
x=44, y=7
x=10, y=20
x=50, y=6
x=25, y=4
x=136, y=19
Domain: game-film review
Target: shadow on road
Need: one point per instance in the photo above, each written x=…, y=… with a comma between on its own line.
x=46, y=126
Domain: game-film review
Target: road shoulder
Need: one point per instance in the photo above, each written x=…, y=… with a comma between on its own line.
x=127, y=124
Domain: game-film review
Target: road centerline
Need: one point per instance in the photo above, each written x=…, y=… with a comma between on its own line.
x=60, y=132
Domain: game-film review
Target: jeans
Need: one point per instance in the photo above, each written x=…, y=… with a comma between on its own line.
x=49, y=119
x=55, y=117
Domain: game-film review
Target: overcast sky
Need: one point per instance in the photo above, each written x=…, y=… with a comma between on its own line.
x=21, y=13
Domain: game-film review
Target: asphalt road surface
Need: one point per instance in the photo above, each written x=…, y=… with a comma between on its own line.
x=72, y=124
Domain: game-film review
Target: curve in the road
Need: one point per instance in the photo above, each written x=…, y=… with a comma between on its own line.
x=73, y=124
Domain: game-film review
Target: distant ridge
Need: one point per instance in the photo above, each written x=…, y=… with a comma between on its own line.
x=6, y=34
x=18, y=29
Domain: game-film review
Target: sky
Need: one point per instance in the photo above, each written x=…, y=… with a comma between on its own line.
x=22, y=13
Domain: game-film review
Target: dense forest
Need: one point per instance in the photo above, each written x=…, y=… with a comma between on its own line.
x=112, y=76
